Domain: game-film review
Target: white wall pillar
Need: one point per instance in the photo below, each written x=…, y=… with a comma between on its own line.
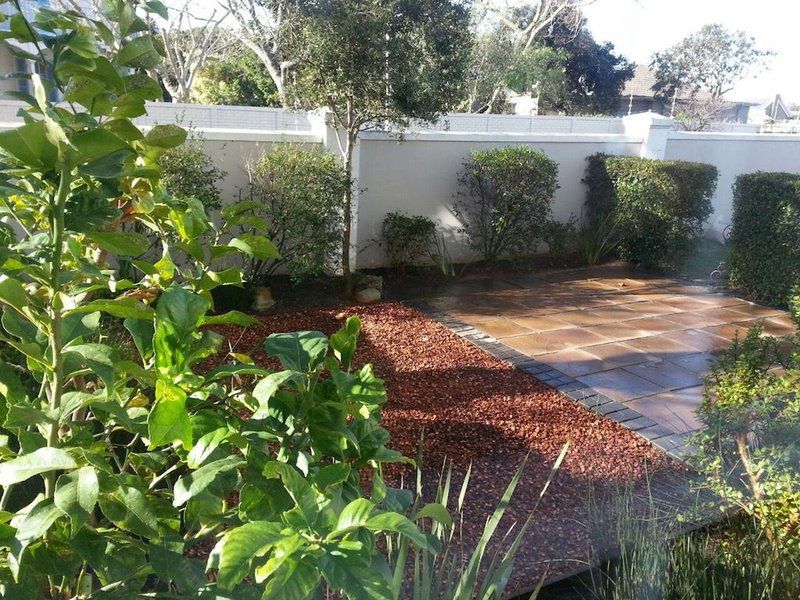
x=333, y=141
x=654, y=131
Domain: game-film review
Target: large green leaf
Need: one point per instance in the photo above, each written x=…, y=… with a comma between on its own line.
x=13, y=294
x=43, y=460
x=121, y=243
x=29, y=145
x=265, y=390
x=100, y=358
x=297, y=351
x=345, y=570
x=295, y=579
x=127, y=308
x=139, y=53
x=95, y=144
x=233, y=317
x=190, y=485
x=238, y=547
x=354, y=515
x=397, y=523
x=255, y=246
x=31, y=525
x=169, y=421
x=300, y=491
x=77, y=493
x=131, y=509
x=165, y=136
x=206, y=446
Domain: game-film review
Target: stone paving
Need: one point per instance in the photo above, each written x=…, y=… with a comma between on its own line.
x=626, y=345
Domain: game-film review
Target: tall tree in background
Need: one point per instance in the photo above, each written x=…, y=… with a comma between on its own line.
x=376, y=62
x=595, y=76
x=188, y=41
x=539, y=16
x=499, y=64
x=236, y=76
x=712, y=60
x=261, y=24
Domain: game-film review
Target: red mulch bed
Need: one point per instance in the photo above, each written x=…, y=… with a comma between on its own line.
x=477, y=409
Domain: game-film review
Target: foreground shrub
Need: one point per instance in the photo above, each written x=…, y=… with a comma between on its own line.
x=130, y=461
x=765, y=241
x=407, y=240
x=295, y=200
x=188, y=172
x=506, y=200
x=749, y=448
x=659, y=207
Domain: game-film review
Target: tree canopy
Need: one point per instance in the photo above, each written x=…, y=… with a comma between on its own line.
x=712, y=60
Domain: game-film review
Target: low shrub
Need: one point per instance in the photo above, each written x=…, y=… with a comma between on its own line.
x=597, y=239
x=765, y=238
x=407, y=240
x=506, y=200
x=294, y=199
x=561, y=240
x=188, y=172
x=659, y=206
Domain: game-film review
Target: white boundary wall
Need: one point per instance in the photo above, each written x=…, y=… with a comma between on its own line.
x=418, y=173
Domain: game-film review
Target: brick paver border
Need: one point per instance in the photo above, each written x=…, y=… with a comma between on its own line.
x=676, y=445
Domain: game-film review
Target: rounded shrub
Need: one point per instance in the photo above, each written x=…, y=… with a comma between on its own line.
x=295, y=200
x=188, y=172
x=659, y=206
x=765, y=241
x=505, y=200
x=407, y=239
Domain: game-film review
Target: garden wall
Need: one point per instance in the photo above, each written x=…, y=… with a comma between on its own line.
x=734, y=154
x=419, y=174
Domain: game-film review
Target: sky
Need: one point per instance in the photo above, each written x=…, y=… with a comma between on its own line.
x=637, y=28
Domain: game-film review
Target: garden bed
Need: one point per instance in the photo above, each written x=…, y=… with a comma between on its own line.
x=476, y=409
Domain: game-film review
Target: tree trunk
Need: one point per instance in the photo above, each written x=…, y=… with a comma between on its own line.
x=347, y=212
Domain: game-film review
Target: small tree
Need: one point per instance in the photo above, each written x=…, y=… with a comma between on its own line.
x=236, y=76
x=373, y=63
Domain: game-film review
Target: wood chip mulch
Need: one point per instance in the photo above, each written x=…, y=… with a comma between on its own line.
x=476, y=409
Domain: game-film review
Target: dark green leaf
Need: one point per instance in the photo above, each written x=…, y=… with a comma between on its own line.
x=298, y=351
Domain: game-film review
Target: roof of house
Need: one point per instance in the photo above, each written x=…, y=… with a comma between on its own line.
x=644, y=79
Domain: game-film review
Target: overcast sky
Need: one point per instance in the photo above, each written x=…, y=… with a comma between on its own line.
x=637, y=28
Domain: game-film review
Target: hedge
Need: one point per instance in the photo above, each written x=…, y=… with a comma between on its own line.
x=765, y=237
x=659, y=206
x=505, y=200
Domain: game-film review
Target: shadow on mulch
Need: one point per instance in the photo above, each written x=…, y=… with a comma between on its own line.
x=475, y=409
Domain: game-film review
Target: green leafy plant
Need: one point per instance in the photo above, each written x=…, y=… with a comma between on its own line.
x=459, y=571
x=294, y=199
x=659, y=206
x=597, y=239
x=765, y=239
x=188, y=172
x=126, y=463
x=749, y=444
x=506, y=200
x=560, y=239
x=407, y=240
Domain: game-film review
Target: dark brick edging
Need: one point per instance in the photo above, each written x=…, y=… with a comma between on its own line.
x=676, y=445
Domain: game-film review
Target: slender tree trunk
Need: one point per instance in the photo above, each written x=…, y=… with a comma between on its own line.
x=56, y=335
x=347, y=210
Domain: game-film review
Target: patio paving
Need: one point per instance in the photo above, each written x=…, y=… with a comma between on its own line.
x=644, y=343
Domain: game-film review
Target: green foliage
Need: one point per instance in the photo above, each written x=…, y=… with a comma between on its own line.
x=596, y=241
x=506, y=200
x=765, y=242
x=122, y=466
x=237, y=77
x=407, y=240
x=561, y=240
x=711, y=60
x=340, y=49
x=751, y=413
x=295, y=200
x=188, y=172
x=659, y=206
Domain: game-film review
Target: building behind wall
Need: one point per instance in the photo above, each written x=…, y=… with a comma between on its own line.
x=639, y=96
